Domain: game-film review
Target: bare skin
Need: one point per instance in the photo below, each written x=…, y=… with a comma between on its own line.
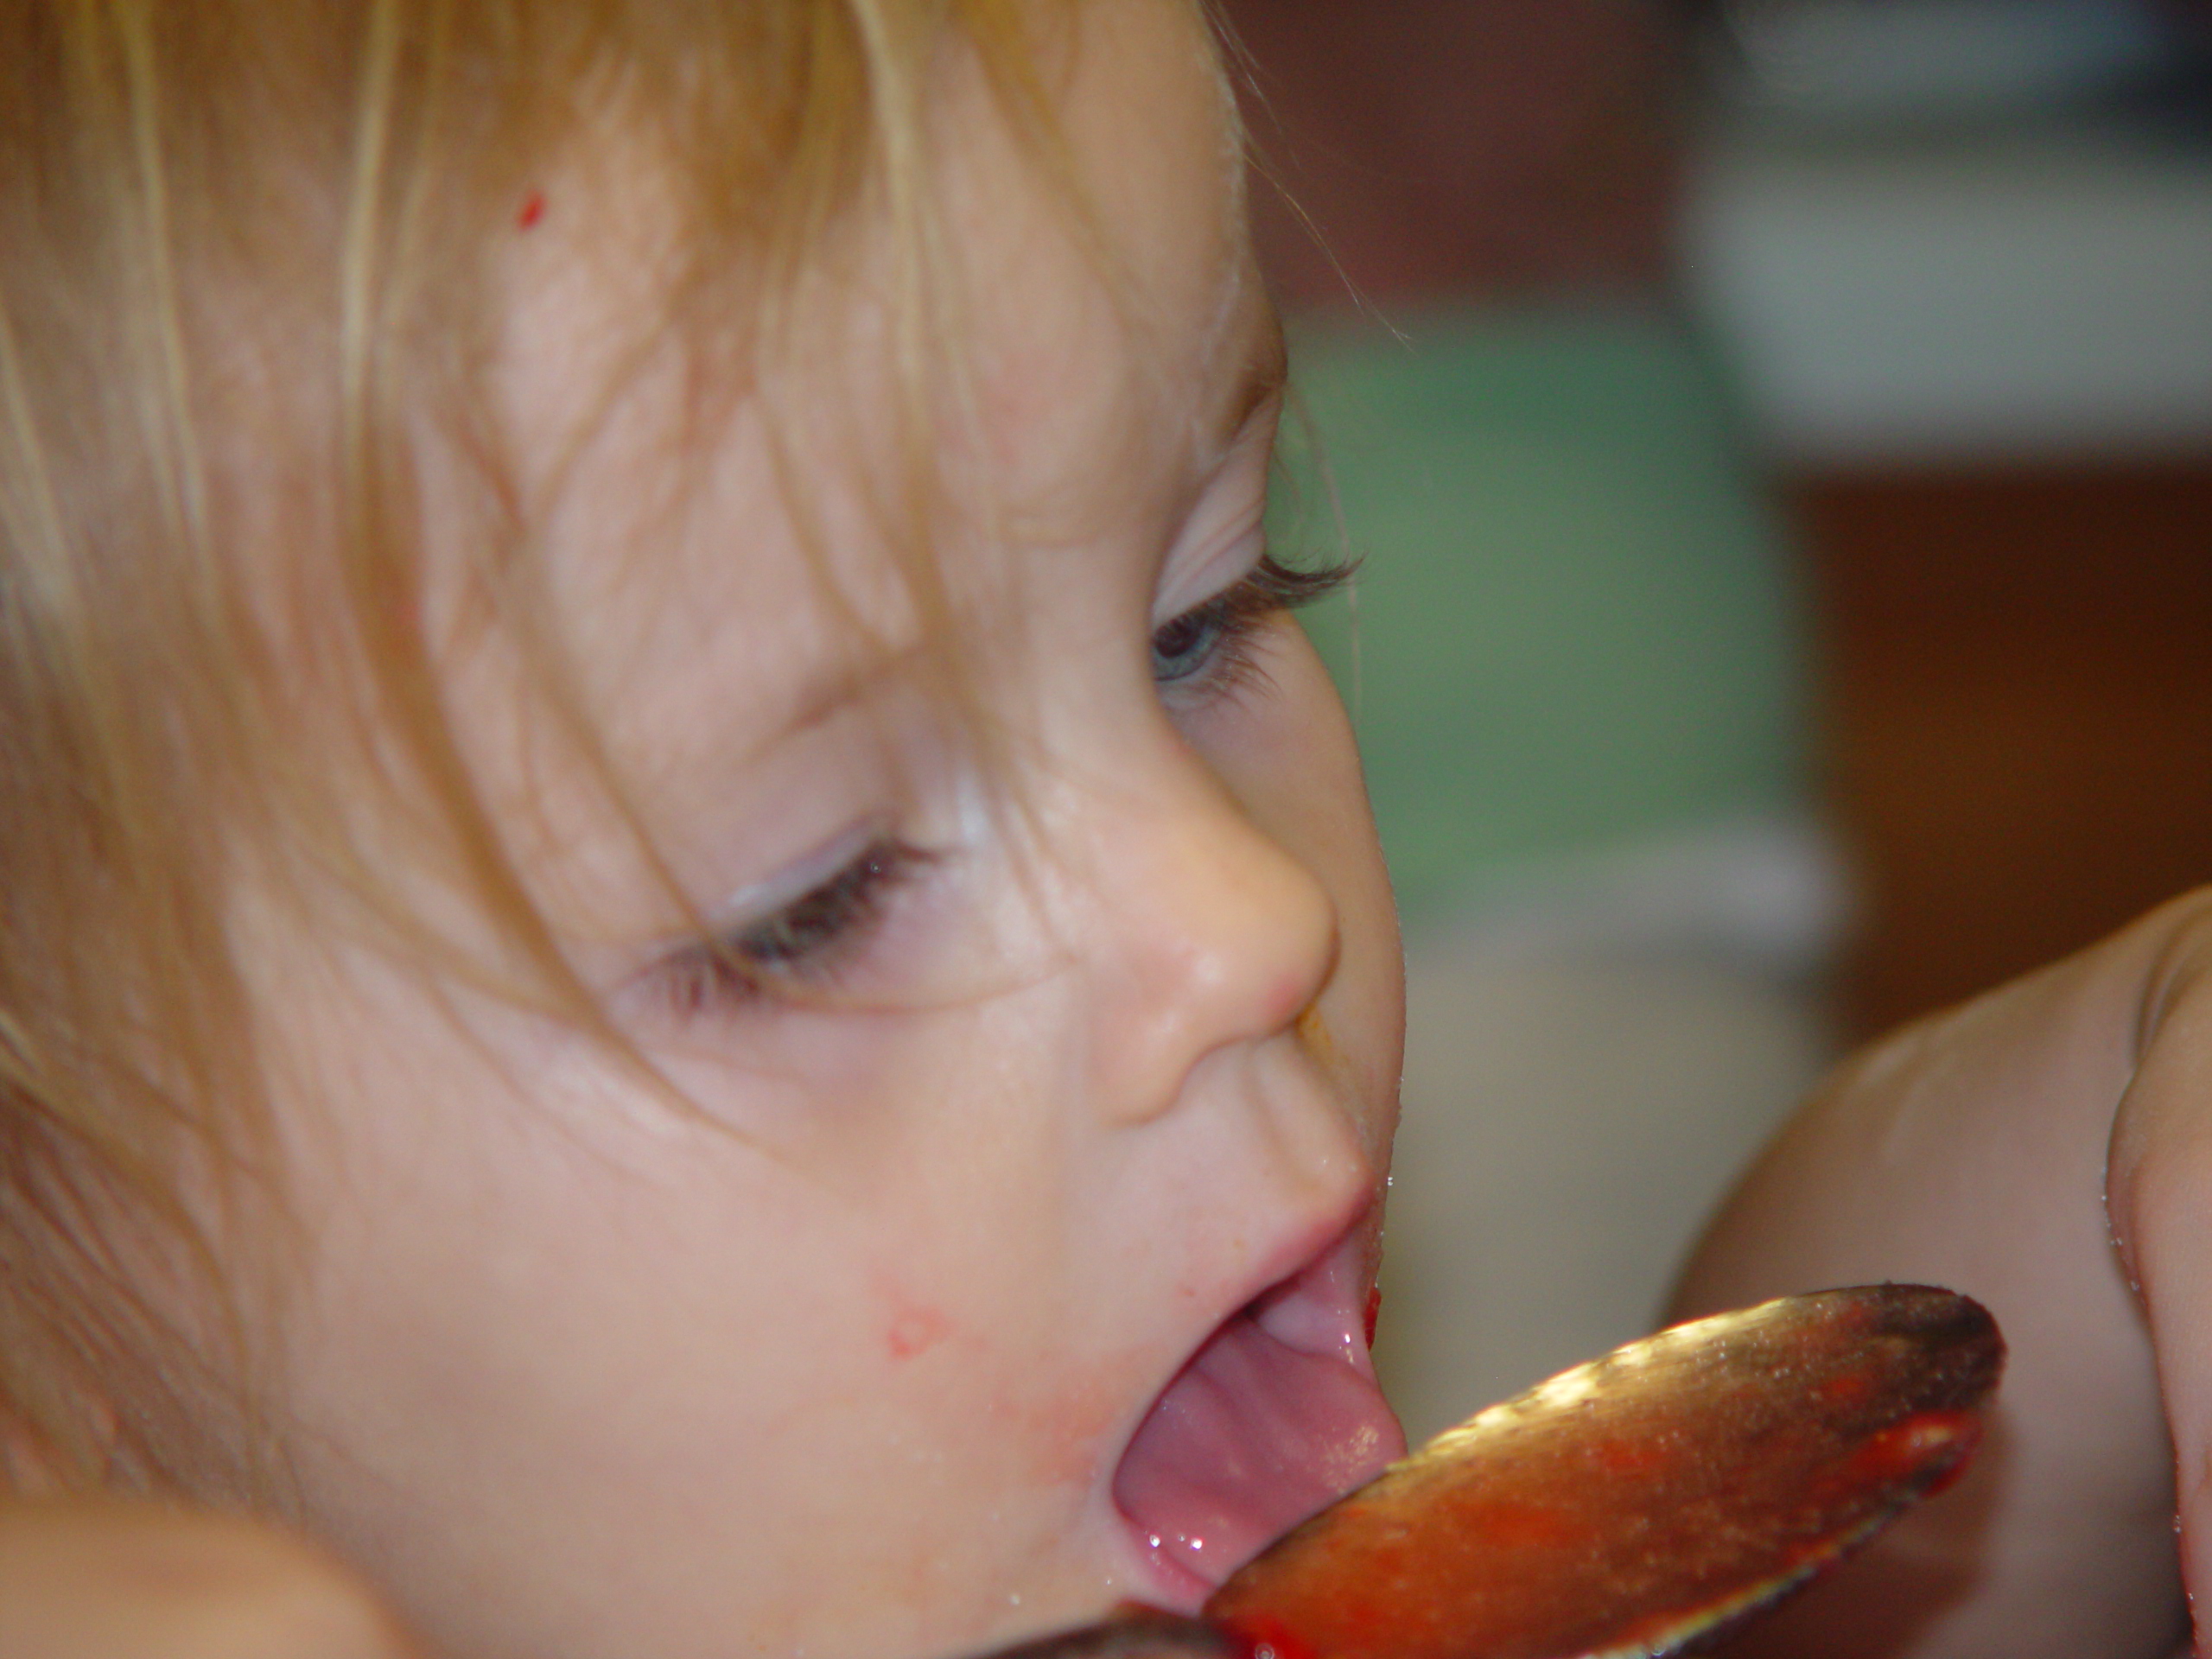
x=80, y=1577
x=849, y=1359
x=2046, y=1149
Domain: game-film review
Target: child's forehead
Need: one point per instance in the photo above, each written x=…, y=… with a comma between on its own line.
x=1037, y=267
x=694, y=549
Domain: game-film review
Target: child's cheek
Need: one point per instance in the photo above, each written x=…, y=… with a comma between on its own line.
x=977, y=1363
x=1062, y=1432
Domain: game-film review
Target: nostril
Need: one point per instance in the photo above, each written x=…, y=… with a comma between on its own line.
x=1314, y=1031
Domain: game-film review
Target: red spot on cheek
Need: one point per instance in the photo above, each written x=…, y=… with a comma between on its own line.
x=533, y=209
x=1373, y=1311
x=916, y=1331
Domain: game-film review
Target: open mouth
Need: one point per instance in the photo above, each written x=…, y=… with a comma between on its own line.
x=1274, y=1418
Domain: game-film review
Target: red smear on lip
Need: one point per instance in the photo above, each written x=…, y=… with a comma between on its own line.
x=533, y=209
x=1373, y=1311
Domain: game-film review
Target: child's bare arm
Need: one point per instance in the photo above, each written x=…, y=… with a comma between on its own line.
x=1970, y=1151
x=92, y=1579
x=2161, y=1207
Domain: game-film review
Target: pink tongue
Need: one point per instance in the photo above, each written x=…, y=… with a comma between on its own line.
x=1252, y=1437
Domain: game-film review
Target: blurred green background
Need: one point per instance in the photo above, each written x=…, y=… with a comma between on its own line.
x=1576, y=626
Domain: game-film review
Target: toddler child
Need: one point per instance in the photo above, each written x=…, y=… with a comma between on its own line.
x=691, y=963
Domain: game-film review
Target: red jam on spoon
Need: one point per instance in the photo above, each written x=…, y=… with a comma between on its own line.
x=1628, y=1507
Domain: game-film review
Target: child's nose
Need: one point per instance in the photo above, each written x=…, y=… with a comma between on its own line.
x=1216, y=935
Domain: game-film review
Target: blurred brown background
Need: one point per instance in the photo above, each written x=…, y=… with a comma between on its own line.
x=1503, y=148
x=2016, y=676
x=2012, y=652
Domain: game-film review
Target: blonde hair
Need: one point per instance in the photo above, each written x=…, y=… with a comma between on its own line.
x=246, y=252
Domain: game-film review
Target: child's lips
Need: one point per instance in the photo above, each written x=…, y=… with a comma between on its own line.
x=1274, y=1418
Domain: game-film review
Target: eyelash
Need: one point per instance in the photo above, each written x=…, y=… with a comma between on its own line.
x=1209, y=646
x=802, y=947
x=799, y=948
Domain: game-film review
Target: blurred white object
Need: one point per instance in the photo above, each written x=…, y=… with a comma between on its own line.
x=1593, y=1048
x=1865, y=61
x=2043, y=293
x=1570, y=1119
x=1765, y=893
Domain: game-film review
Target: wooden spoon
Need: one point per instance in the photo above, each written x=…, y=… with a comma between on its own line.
x=1625, y=1508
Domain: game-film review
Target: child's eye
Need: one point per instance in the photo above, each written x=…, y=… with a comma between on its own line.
x=802, y=946
x=1180, y=649
x=1209, y=643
